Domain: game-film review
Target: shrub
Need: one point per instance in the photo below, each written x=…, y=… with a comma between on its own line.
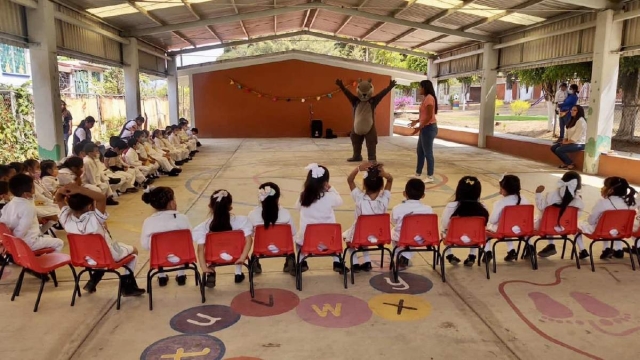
x=520, y=107
x=113, y=126
x=499, y=103
x=402, y=102
x=17, y=138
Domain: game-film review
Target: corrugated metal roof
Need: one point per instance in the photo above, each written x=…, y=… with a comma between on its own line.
x=632, y=28
x=12, y=25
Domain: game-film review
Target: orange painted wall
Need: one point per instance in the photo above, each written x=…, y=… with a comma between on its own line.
x=224, y=111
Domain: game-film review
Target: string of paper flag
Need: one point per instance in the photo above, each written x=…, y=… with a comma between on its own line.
x=274, y=98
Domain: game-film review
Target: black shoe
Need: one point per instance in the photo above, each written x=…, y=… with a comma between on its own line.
x=356, y=268
x=339, y=267
x=583, y=254
x=289, y=263
x=452, y=259
x=618, y=254
x=131, y=190
x=198, y=144
x=178, y=170
x=355, y=159
x=181, y=280
x=114, y=181
x=548, y=250
x=179, y=163
x=95, y=278
x=470, y=260
x=174, y=172
x=488, y=256
x=403, y=263
x=110, y=201
x=257, y=268
x=130, y=287
x=511, y=256
x=163, y=281
x=606, y=254
x=239, y=278
x=366, y=266
x=526, y=252
x=210, y=280
x=304, y=266
x=57, y=226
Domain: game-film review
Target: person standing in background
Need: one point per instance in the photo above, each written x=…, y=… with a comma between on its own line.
x=561, y=95
x=66, y=127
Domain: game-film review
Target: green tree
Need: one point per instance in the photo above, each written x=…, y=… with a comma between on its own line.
x=629, y=83
x=17, y=136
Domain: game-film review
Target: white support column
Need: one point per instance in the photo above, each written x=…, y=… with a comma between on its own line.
x=192, y=106
x=604, y=78
x=172, y=91
x=432, y=74
x=131, y=78
x=46, y=84
x=488, y=93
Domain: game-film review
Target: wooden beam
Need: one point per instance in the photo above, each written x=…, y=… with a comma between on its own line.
x=87, y=26
x=375, y=28
x=158, y=21
x=193, y=12
x=435, y=39
x=246, y=34
x=363, y=3
x=500, y=15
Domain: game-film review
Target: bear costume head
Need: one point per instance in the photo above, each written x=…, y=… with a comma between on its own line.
x=365, y=90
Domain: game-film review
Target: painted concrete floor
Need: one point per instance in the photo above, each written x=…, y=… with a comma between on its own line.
x=554, y=312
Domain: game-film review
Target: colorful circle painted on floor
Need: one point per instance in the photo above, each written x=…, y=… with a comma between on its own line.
x=400, y=307
x=7, y=275
x=407, y=283
x=267, y=302
x=204, y=319
x=334, y=311
x=201, y=347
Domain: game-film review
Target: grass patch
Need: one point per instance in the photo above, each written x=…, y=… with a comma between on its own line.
x=521, y=118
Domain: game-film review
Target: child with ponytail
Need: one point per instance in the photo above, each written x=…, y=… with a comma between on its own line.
x=567, y=194
x=510, y=191
x=617, y=194
x=316, y=203
x=166, y=218
x=269, y=213
x=373, y=199
x=221, y=220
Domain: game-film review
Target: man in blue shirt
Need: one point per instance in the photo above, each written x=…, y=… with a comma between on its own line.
x=565, y=109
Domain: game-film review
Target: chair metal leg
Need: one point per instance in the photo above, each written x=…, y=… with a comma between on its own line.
x=149, y=287
x=593, y=266
x=633, y=265
x=251, y=286
x=76, y=282
x=353, y=277
x=519, y=245
x=493, y=253
x=344, y=266
x=442, y=264
x=564, y=246
x=381, y=259
x=120, y=291
x=54, y=278
x=35, y=308
x=6, y=261
x=16, y=290
x=394, y=264
x=299, y=259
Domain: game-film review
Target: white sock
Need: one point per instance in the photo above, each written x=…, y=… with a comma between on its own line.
x=356, y=260
x=487, y=246
x=366, y=257
x=551, y=242
x=180, y=272
x=336, y=259
x=447, y=253
x=510, y=245
x=163, y=275
x=579, y=242
x=238, y=269
x=473, y=251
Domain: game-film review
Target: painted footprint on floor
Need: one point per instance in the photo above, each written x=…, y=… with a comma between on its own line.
x=557, y=312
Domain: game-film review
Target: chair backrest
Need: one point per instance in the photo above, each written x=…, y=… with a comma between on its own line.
x=516, y=221
x=615, y=224
x=274, y=241
x=466, y=231
x=22, y=253
x=94, y=246
x=321, y=239
x=4, y=229
x=568, y=224
x=419, y=230
x=372, y=230
x=224, y=247
x=178, y=243
x=10, y=248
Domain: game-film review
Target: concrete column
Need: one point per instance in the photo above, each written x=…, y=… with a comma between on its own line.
x=131, y=78
x=392, y=116
x=192, y=106
x=46, y=84
x=488, y=93
x=172, y=91
x=604, y=80
x=432, y=74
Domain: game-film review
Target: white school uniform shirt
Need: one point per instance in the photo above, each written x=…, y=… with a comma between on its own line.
x=610, y=203
x=92, y=174
x=237, y=223
x=162, y=221
x=66, y=176
x=407, y=207
x=142, y=152
x=131, y=158
x=508, y=200
x=367, y=206
x=320, y=212
x=284, y=217
x=128, y=129
x=159, y=144
x=92, y=222
x=447, y=213
x=20, y=215
x=50, y=183
x=578, y=133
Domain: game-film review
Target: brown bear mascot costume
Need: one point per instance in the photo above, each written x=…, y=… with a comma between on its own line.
x=364, y=125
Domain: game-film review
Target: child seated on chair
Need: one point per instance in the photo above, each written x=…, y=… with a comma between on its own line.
x=43, y=199
x=166, y=218
x=413, y=192
x=373, y=199
x=6, y=173
x=113, y=161
x=20, y=215
x=269, y=213
x=49, y=176
x=567, y=194
x=316, y=204
x=4, y=194
x=131, y=158
x=93, y=175
x=222, y=220
x=466, y=203
x=510, y=191
x=83, y=211
x=617, y=194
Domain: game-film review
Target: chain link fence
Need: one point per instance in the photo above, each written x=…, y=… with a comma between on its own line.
x=626, y=123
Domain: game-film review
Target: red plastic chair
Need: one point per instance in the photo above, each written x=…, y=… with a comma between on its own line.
x=227, y=242
x=548, y=230
x=636, y=235
x=45, y=264
x=512, y=216
x=279, y=236
x=375, y=227
x=320, y=240
x=178, y=243
x=95, y=247
x=472, y=229
x=419, y=233
x=619, y=220
x=4, y=229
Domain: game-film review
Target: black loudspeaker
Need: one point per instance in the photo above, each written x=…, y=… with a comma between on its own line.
x=316, y=128
x=330, y=134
